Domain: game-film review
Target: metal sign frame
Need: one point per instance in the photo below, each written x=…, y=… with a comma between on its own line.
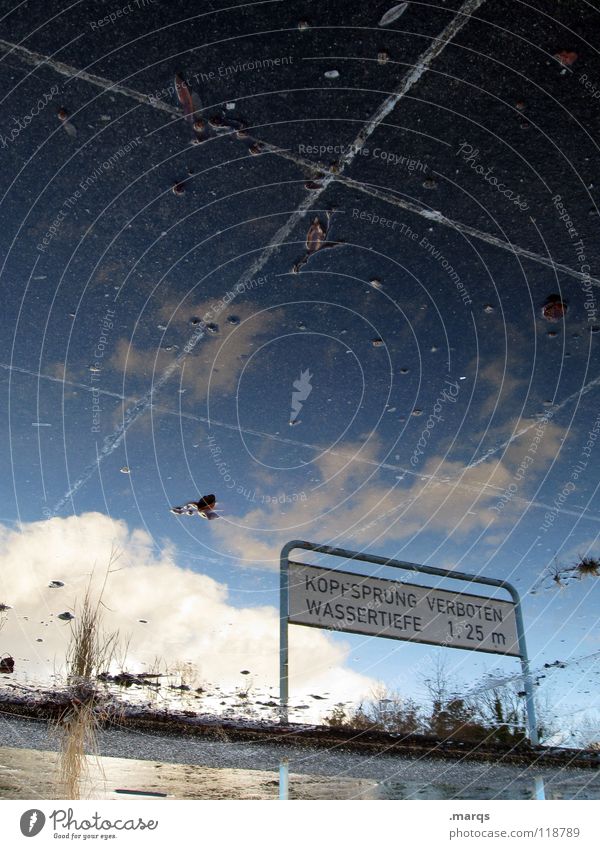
x=397, y=564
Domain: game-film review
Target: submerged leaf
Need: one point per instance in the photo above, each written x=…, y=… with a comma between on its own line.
x=392, y=14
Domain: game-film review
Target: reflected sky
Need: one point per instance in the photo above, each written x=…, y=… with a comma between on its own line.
x=321, y=291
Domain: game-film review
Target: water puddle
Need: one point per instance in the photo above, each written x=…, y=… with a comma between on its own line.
x=30, y=774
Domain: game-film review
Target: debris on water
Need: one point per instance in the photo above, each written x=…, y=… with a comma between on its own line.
x=41, y=424
x=255, y=148
x=217, y=122
x=417, y=412
x=66, y=616
x=178, y=188
x=391, y=410
x=488, y=308
x=429, y=183
x=303, y=25
x=588, y=566
x=4, y=607
x=190, y=105
x=316, y=240
x=7, y=665
x=376, y=284
x=377, y=343
x=331, y=75
x=383, y=57
x=392, y=14
x=161, y=326
x=229, y=106
x=566, y=57
x=554, y=308
x=125, y=470
x=313, y=185
x=520, y=105
x=212, y=327
x=63, y=116
x=233, y=319
x=241, y=134
x=56, y=585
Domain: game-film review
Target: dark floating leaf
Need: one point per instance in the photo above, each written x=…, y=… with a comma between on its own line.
x=588, y=566
x=7, y=665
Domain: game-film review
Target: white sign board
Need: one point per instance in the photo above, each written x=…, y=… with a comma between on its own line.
x=344, y=601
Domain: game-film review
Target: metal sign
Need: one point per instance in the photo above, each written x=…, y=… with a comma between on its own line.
x=345, y=601
x=378, y=607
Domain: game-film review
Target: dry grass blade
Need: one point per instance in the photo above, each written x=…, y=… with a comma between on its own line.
x=90, y=652
x=588, y=566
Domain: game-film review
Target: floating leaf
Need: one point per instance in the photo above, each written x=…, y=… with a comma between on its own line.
x=393, y=14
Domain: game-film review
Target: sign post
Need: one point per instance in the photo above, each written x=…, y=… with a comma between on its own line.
x=346, y=601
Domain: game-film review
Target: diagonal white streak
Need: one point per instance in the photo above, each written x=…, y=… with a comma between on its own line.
x=474, y=489
x=38, y=60
x=461, y=18
x=575, y=396
x=112, y=442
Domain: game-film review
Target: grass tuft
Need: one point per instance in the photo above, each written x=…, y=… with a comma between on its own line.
x=87, y=706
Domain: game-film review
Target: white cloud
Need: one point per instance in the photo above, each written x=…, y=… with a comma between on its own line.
x=189, y=615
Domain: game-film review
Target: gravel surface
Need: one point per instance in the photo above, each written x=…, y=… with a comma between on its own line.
x=399, y=777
